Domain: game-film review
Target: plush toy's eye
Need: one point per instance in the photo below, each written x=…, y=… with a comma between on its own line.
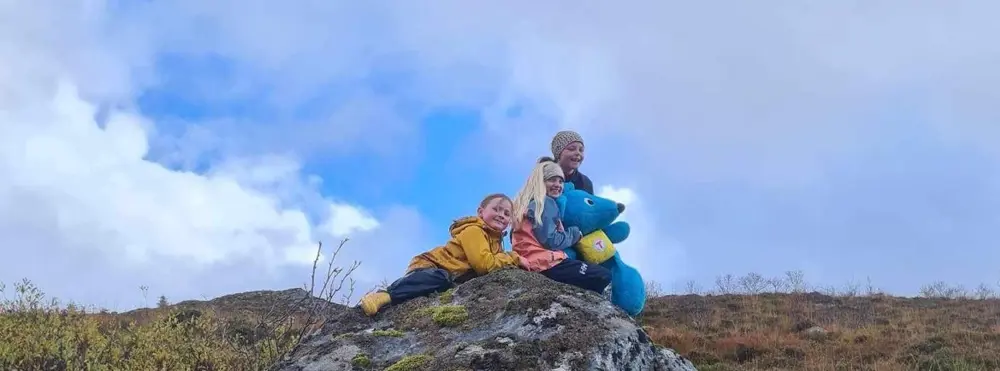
x=588, y=201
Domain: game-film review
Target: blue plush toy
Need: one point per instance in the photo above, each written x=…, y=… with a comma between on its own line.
x=595, y=216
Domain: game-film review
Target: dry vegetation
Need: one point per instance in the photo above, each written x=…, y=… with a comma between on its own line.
x=753, y=323
x=247, y=331
x=745, y=323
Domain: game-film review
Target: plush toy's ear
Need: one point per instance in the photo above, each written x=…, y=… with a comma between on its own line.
x=568, y=186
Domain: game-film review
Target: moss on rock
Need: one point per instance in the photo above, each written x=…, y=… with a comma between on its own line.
x=390, y=333
x=410, y=363
x=343, y=336
x=450, y=315
x=447, y=296
x=361, y=360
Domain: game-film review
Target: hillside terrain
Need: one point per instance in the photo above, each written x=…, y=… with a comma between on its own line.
x=814, y=331
x=792, y=330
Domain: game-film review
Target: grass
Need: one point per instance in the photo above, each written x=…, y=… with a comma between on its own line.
x=751, y=323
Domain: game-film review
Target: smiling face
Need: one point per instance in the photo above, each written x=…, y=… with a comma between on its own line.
x=571, y=156
x=496, y=212
x=554, y=186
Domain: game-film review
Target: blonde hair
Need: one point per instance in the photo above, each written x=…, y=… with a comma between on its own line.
x=533, y=190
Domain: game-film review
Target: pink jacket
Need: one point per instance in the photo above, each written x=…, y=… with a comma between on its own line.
x=534, y=256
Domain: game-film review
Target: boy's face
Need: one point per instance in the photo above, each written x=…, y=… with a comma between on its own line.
x=497, y=213
x=571, y=156
x=554, y=186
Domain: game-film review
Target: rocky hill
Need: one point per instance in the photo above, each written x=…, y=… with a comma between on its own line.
x=509, y=320
x=261, y=303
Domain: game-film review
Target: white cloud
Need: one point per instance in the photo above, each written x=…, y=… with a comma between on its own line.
x=766, y=95
x=87, y=214
x=760, y=132
x=756, y=96
x=345, y=219
x=102, y=189
x=106, y=199
x=649, y=247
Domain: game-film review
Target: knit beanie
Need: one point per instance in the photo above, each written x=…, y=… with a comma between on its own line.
x=563, y=139
x=550, y=168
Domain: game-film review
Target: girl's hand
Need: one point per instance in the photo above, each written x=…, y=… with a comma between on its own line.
x=521, y=261
x=559, y=226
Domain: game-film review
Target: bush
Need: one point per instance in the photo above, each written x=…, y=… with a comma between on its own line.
x=40, y=335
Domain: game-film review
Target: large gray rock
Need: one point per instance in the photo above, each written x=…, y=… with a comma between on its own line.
x=508, y=320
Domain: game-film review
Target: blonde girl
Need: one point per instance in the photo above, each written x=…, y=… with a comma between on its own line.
x=539, y=238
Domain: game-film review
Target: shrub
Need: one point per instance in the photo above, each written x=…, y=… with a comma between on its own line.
x=36, y=334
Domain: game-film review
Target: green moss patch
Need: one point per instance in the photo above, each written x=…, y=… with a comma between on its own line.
x=447, y=296
x=361, y=361
x=343, y=336
x=391, y=333
x=450, y=315
x=410, y=363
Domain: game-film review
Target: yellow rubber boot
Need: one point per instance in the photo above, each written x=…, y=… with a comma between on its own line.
x=374, y=301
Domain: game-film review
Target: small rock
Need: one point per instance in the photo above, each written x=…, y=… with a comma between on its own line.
x=800, y=326
x=816, y=333
x=469, y=352
x=505, y=340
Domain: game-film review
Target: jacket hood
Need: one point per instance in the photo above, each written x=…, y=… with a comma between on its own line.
x=462, y=223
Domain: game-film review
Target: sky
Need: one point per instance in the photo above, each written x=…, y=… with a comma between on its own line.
x=203, y=148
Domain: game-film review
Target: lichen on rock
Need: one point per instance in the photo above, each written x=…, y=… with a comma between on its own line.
x=507, y=320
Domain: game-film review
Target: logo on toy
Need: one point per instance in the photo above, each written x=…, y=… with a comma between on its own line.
x=599, y=245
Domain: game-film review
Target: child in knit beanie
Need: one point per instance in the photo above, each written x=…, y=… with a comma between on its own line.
x=567, y=150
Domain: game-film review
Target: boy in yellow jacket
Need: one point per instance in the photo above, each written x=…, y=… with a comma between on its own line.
x=475, y=249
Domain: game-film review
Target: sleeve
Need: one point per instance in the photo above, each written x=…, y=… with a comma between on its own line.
x=477, y=250
x=545, y=231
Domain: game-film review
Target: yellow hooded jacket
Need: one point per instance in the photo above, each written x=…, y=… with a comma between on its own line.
x=474, y=249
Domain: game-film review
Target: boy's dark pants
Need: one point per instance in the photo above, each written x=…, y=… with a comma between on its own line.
x=419, y=282
x=577, y=273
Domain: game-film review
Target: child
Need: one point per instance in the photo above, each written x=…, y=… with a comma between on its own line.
x=567, y=149
x=538, y=235
x=475, y=249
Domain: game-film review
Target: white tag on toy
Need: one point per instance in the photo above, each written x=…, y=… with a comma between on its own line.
x=599, y=245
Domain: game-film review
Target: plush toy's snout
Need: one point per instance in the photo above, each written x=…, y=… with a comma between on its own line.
x=621, y=208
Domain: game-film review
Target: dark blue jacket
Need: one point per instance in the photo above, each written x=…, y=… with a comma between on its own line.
x=581, y=182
